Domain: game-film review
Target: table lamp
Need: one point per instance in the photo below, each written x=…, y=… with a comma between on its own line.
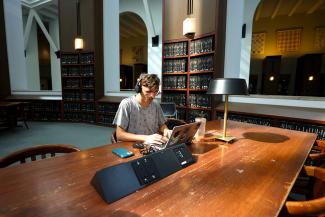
x=227, y=86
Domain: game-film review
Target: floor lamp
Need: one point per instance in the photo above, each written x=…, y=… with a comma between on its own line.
x=227, y=86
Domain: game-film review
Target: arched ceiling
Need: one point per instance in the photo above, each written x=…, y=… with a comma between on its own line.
x=270, y=9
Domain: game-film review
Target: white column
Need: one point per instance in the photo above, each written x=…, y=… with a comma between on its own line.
x=235, y=10
x=55, y=62
x=111, y=46
x=155, y=53
x=15, y=44
x=249, y=11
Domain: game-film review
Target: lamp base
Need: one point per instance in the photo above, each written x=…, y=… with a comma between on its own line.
x=226, y=139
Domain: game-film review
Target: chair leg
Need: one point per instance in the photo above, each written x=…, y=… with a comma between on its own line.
x=26, y=125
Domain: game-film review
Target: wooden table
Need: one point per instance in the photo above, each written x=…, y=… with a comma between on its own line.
x=250, y=177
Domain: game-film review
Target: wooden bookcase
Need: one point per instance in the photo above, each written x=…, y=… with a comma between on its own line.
x=78, y=86
x=311, y=126
x=188, y=67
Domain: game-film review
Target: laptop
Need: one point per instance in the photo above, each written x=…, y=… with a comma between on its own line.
x=180, y=134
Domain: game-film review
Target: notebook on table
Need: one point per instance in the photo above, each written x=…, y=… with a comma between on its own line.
x=180, y=134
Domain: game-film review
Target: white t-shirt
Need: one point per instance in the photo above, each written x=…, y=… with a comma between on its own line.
x=138, y=120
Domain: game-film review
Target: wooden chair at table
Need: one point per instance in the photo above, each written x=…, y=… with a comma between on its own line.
x=32, y=153
x=315, y=206
x=318, y=153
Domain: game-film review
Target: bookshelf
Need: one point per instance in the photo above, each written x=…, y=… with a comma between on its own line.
x=78, y=86
x=188, y=67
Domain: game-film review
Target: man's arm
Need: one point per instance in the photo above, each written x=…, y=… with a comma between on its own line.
x=123, y=135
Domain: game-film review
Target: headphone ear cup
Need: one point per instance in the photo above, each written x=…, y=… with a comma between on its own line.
x=137, y=87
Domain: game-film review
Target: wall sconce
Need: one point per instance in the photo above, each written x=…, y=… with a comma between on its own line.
x=311, y=78
x=271, y=78
x=78, y=41
x=189, y=24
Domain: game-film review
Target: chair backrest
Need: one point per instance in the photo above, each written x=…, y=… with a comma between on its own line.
x=169, y=109
x=315, y=206
x=113, y=137
x=33, y=152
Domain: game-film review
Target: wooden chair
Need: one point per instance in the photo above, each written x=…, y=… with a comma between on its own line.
x=33, y=152
x=315, y=206
x=318, y=152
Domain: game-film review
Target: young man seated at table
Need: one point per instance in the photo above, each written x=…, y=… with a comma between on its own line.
x=139, y=118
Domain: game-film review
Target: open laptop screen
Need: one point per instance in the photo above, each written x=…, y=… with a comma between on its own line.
x=181, y=134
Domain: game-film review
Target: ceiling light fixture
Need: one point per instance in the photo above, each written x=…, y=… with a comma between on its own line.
x=189, y=24
x=78, y=41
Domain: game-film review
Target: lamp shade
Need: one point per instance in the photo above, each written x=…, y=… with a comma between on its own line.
x=228, y=86
x=189, y=27
x=78, y=43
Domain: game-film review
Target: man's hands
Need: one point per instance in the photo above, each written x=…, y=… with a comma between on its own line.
x=155, y=139
x=167, y=133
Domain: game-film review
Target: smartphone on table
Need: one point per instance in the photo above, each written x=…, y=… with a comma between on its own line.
x=122, y=152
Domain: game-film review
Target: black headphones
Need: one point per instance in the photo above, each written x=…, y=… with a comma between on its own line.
x=137, y=87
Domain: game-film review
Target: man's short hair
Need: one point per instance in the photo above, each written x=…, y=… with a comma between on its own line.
x=149, y=80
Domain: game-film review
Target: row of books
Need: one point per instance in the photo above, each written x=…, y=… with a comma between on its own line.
x=43, y=106
x=71, y=83
x=178, y=65
x=75, y=96
x=111, y=107
x=201, y=45
x=69, y=59
x=175, y=49
x=200, y=100
x=44, y=116
x=178, y=99
x=75, y=71
x=105, y=119
x=88, y=83
x=79, y=107
x=201, y=64
x=75, y=83
x=91, y=118
x=70, y=71
x=86, y=58
x=317, y=129
x=200, y=81
x=246, y=119
x=174, y=82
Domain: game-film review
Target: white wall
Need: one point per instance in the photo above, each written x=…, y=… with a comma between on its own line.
x=15, y=44
x=111, y=12
x=237, y=63
x=111, y=31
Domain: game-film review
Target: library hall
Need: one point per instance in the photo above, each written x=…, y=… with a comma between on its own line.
x=180, y=108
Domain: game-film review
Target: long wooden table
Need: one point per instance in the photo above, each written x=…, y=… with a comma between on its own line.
x=250, y=177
